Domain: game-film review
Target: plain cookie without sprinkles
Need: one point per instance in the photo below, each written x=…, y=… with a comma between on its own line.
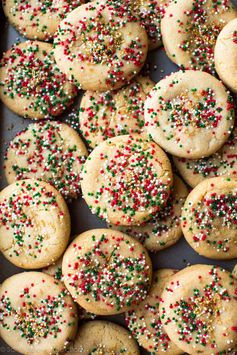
x=49, y=151
x=100, y=48
x=189, y=114
x=107, y=272
x=31, y=85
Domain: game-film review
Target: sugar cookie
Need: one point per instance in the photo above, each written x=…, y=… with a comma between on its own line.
x=37, y=19
x=100, y=48
x=144, y=320
x=106, y=272
x=209, y=218
x=198, y=310
x=189, y=114
x=103, y=337
x=38, y=316
x=50, y=151
x=190, y=28
x=31, y=85
x=112, y=113
x=126, y=180
x=34, y=224
x=164, y=229
x=223, y=162
x=226, y=55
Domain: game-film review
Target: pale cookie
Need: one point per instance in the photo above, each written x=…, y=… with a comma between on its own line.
x=55, y=270
x=226, y=55
x=103, y=337
x=37, y=19
x=223, y=162
x=144, y=320
x=198, y=310
x=112, y=113
x=99, y=47
x=126, y=180
x=49, y=151
x=31, y=85
x=164, y=229
x=189, y=114
x=107, y=272
x=190, y=29
x=38, y=316
x=34, y=224
x=209, y=218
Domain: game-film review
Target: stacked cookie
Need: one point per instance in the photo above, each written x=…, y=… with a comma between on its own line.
x=136, y=139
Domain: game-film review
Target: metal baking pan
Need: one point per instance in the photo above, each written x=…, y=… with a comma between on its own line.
x=177, y=256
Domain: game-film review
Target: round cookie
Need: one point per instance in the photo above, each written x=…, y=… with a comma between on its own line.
x=164, y=229
x=112, y=113
x=223, y=162
x=209, y=218
x=38, y=316
x=34, y=224
x=103, y=337
x=99, y=47
x=49, y=151
x=189, y=114
x=190, y=29
x=55, y=270
x=226, y=55
x=144, y=320
x=37, y=19
x=107, y=272
x=198, y=310
x=31, y=85
x=126, y=180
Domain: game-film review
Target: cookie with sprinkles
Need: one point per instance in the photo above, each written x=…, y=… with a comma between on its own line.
x=38, y=316
x=34, y=224
x=190, y=29
x=226, y=55
x=112, y=113
x=55, y=270
x=37, y=19
x=107, y=272
x=103, y=337
x=164, y=229
x=198, y=310
x=190, y=114
x=126, y=180
x=49, y=151
x=31, y=85
x=209, y=218
x=144, y=320
x=221, y=163
x=99, y=47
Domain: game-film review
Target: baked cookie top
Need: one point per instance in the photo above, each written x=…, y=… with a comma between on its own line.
x=31, y=85
x=144, y=320
x=49, y=151
x=198, y=310
x=190, y=114
x=126, y=180
x=34, y=224
x=103, y=337
x=209, y=218
x=164, y=229
x=37, y=19
x=106, y=272
x=112, y=113
x=221, y=163
x=99, y=47
x=38, y=316
x=190, y=29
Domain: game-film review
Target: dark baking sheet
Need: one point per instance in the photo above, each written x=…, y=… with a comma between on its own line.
x=178, y=256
